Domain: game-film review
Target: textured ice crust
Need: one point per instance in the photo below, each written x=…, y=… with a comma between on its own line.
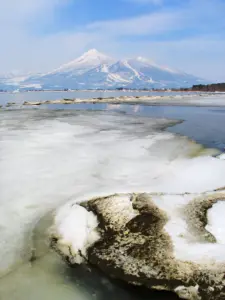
x=160, y=241
x=178, y=100
x=48, y=158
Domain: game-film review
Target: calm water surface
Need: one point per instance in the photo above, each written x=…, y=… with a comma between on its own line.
x=206, y=125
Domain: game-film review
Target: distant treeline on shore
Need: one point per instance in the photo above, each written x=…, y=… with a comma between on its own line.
x=215, y=87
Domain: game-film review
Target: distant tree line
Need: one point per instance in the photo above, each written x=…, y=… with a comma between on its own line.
x=215, y=87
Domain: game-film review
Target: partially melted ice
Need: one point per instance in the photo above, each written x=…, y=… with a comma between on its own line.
x=48, y=158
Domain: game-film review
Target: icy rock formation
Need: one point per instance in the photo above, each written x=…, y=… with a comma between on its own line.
x=160, y=241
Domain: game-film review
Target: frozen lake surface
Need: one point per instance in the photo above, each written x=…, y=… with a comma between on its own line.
x=49, y=157
x=19, y=98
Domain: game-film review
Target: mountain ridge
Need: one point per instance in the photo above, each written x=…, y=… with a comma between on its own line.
x=94, y=70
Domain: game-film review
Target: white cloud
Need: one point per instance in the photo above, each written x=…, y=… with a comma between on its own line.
x=20, y=47
x=22, y=11
x=149, y=24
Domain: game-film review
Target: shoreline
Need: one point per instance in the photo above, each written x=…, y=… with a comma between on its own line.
x=113, y=91
x=178, y=100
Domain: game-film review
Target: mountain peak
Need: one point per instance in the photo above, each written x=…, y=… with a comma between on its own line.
x=94, y=54
x=92, y=51
x=90, y=59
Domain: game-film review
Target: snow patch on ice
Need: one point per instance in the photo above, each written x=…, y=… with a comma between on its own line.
x=186, y=248
x=216, y=222
x=76, y=230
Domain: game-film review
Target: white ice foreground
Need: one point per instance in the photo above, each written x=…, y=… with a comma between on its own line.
x=50, y=158
x=77, y=229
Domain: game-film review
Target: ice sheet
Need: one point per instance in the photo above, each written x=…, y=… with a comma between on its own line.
x=48, y=158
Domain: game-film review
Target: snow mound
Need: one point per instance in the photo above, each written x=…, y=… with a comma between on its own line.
x=74, y=231
x=216, y=222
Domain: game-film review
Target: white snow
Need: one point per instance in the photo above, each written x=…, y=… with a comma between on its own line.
x=136, y=73
x=155, y=65
x=87, y=61
x=186, y=247
x=216, y=222
x=76, y=230
x=117, y=78
x=49, y=158
x=105, y=68
x=120, y=71
x=222, y=156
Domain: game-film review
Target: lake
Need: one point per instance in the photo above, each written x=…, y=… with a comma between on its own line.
x=51, y=155
x=19, y=98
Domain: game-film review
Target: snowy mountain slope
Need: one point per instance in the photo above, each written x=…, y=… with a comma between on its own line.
x=160, y=74
x=87, y=61
x=14, y=81
x=95, y=70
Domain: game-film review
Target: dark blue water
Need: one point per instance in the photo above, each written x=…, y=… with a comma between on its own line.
x=206, y=125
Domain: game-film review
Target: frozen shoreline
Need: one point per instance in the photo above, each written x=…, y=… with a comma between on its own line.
x=45, y=154
x=178, y=100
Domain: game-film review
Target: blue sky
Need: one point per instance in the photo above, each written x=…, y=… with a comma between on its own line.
x=40, y=35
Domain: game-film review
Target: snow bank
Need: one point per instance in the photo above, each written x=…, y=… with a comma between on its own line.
x=188, y=245
x=216, y=223
x=75, y=230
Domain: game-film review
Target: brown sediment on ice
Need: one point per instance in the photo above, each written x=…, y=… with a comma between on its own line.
x=135, y=247
x=32, y=103
x=146, y=100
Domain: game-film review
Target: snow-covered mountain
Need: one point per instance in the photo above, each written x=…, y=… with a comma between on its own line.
x=14, y=81
x=87, y=61
x=94, y=70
